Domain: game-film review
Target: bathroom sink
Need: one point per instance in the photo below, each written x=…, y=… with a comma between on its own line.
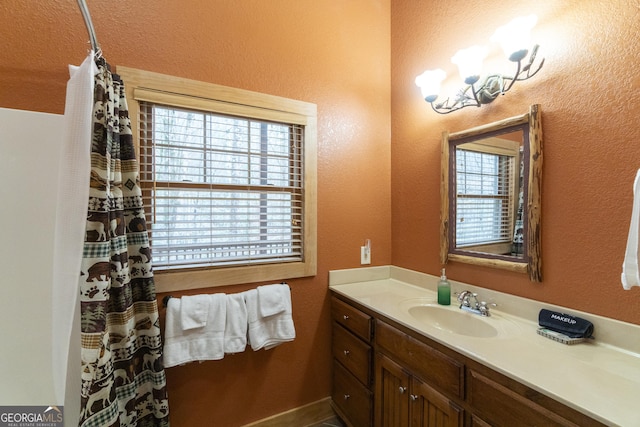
x=453, y=320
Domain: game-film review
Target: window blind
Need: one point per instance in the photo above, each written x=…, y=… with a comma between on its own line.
x=223, y=190
x=485, y=199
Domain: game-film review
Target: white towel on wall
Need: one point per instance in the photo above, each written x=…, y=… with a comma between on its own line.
x=194, y=311
x=206, y=343
x=272, y=299
x=268, y=332
x=630, y=273
x=235, y=332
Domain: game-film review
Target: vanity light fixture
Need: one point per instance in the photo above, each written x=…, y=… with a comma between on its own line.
x=514, y=38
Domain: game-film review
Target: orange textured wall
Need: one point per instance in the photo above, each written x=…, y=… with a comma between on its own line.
x=589, y=89
x=335, y=54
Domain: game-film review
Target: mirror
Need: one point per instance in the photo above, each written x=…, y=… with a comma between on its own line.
x=490, y=195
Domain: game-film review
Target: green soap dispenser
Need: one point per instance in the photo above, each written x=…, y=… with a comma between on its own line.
x=444, y=290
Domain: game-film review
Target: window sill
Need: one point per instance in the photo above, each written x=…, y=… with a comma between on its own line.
x=168, y=281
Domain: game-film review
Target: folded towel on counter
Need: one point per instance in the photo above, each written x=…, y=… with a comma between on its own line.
x=630, y=270
x=194, y=311
x=566, y=324
x=205, y=343
x=272, y=299
x=268, y=332
x=235, y=332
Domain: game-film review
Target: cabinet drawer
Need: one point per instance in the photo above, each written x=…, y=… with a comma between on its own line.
x=353, y=353
x=498, y=406
x=351, y=397
x=351, y=318
x=436, y=368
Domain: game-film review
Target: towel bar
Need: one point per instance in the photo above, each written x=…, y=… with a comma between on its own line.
x=166, y=298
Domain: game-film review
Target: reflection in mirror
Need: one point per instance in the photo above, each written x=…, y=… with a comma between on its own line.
x=491, y=195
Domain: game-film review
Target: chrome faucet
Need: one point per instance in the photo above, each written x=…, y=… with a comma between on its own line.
x=465, y=299
x=469, y=302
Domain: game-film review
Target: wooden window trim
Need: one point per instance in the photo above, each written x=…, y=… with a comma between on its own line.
x=154, y=87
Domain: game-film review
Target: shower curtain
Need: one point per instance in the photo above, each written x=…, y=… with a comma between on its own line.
x=123, y=379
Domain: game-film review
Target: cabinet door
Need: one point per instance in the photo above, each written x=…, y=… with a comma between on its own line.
x=392, y=394
x=428, y=408
x=477, y=422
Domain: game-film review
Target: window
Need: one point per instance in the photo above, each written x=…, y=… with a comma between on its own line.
x=228, y=178
x=487, y=196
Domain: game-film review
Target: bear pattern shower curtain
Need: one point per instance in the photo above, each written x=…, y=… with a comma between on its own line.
x=123, y=380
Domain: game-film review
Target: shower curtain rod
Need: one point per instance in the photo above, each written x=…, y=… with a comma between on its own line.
x=87, y=20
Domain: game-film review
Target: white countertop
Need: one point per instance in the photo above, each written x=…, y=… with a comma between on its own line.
x=600, y=377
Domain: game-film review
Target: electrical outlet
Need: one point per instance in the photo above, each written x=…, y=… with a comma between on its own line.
x=365, y=253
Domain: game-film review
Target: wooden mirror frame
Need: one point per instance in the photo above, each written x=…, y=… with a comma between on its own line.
x=532, y=263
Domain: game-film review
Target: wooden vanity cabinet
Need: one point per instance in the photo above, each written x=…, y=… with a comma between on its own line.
x=404, y=400
x=407, y=372
x=391, y=393
x=431, y=408
x=438, y=369
x=414, y=381
x=352, y=351
x=502, y=402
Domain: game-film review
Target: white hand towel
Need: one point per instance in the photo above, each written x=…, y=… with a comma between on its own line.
x=630, y=273
x=194, y=311
x=268, y=332
x=206, y=343
x=235, y=331
x=272, y=299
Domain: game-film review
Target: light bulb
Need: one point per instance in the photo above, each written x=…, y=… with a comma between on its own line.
x=469, y=62
x=429, y=83
x=515, y=37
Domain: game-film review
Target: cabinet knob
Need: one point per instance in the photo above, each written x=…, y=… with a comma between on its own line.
x=414, y=397
x=346, y=396
x=346, y=352
x=402, y=389
x=345, y=317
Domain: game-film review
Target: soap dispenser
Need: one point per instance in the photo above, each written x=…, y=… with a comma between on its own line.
x=444, y=290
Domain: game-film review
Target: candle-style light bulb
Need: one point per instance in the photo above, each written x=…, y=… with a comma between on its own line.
x=515, y=37
x=429, y=83
x=469, y=62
